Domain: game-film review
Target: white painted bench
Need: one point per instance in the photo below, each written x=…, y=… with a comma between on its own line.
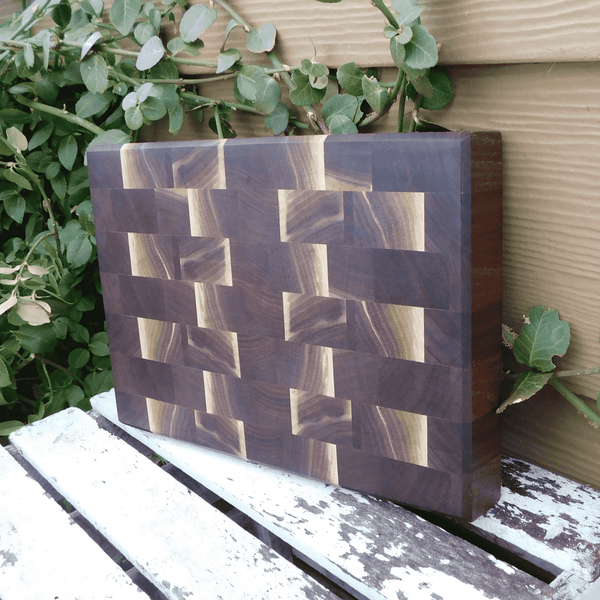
x=178, y=545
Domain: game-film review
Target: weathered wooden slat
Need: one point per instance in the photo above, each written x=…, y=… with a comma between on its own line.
x=187, y=548
x=375, y=548
x=43, y=553
x=551, y=517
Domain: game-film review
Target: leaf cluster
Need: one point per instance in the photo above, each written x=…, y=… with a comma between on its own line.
x=543, y=337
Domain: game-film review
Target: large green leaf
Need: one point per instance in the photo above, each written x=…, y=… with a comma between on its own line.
x=278, y=119
x=350, y=78
x=542, y=337
x=398, y=51
x=375, y=95
x=40, y=136
x=408, y=10
x=340, y=104
x=123, y=14
x=441, y=88
x=196, y=21
x=67, y=151
x=150, y=54
x=421, y=51
x=39, y=339
x=527, y=384
x=341, y=124
x=93, y=104
x=268, y=94
x=227, y=59
x=94, y=72
x=4, y=373
x=247, y=81
x=14, y=205
x=261, y=40
x=8, y=427
x=304, y=94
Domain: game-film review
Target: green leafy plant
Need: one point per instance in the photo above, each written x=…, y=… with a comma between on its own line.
x=85, y=79
x=542, y=337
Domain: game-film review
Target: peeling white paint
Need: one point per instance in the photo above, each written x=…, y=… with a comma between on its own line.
x=332, y=518
x=502, y=565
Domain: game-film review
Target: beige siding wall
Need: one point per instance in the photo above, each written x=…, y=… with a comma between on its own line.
x=527, y=68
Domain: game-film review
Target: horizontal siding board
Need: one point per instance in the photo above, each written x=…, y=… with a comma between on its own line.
x=471, y=31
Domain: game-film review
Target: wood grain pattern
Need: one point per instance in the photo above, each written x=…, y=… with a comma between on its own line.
x=324, y=331
x=471, y=31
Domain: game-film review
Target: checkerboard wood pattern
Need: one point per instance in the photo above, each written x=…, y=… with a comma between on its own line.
x=330, y=305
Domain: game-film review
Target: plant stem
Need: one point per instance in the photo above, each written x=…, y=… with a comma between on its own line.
x=402, y=103
x=234, y=15
x=218, y=122
x=386, y=12
x=594, y=371
x=57, y=112
x=34, y=17
x=47, y=361
x=414, y=116
x=579, y=404
x=192, y=98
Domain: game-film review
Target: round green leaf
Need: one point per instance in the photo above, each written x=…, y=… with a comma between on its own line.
x=341, y=104
x=94, y=72
x=176, y=119
x=261, y=40
x=227, y=59
x=350, y=78
x=14, y=205
x=98, y=382
x=247, y=81
x=195, y=21
x=542, y=337
x=143, y=32
x=134, y=118
x=177, y=45
x=341, y=124
x=375, y=95
x=67, y=152
x=408, y=10
x=61, y=14
x=99, y=344
x=150, y=54
x=123, y=14
x=79, y=358
x=442, y=90
x=278, y=119
x=153, y=108
x=268, y=94
x=304, y=94
x=93, y=104
x=79, y=251
x=94, y=8
x=421, y=51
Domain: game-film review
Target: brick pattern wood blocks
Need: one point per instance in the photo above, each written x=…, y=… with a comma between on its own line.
x=328, y=305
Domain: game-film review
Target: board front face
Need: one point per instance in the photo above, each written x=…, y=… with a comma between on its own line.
x=319, y=304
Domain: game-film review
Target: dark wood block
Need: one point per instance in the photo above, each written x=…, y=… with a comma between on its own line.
x=328, y=305
x=113, y=252
x=132, y=210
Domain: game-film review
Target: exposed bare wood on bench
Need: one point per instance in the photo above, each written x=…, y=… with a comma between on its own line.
x=376, y=549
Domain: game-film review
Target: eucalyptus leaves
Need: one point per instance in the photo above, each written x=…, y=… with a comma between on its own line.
x=542, y=337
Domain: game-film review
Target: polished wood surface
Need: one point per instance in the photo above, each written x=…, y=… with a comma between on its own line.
x=256, y=306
